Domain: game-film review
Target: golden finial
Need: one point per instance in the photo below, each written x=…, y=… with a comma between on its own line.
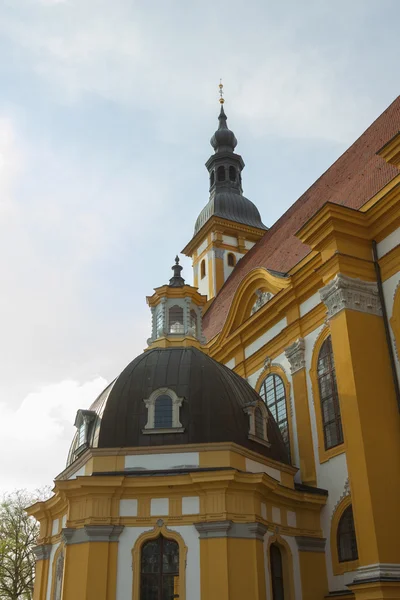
x=221, y=92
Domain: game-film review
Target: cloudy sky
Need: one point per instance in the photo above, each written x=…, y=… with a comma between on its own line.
x=106, y=110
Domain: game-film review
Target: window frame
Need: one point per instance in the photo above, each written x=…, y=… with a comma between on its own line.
x=159, y=529
x=150, y=404
x=340, y=567
x=262, y=383
x=323, y=453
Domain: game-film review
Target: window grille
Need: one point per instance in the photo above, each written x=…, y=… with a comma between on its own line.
x=273, y=393
x=163, y=412
x=346, y=537
x=176, y=319
x=159, y=577
x=330, y=408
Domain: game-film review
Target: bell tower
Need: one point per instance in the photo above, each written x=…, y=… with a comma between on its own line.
x=229, y=225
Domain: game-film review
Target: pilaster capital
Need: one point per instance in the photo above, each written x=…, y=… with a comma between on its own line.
x=91, y=533
x=295, y=353
x=353, y=294
x=219, y=252
x=42, y=552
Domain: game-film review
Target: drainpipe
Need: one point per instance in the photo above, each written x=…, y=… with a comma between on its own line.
x=386, y=322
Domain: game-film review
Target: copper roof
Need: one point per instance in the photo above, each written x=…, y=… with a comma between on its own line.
x=351, y=181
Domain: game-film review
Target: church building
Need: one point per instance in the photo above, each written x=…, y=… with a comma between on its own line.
x=252, y=451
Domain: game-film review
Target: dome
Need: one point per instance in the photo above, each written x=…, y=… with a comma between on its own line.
x=223, y=139
x=212, y=408
x=231, y=206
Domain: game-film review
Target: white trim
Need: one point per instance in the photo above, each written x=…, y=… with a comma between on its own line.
x=150, y=403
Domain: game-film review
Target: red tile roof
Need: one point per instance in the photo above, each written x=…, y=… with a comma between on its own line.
x=351, y=181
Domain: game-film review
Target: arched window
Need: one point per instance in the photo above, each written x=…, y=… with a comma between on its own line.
x=159, y=570
x=221, y=174
x=275, y=557
x=163, y=412
x=176, y=319
x=346, y=537
x=328, y=394
x=203, y=269
x=273, y=393
x=231, y=259
x=232, y=173
x=212, y=178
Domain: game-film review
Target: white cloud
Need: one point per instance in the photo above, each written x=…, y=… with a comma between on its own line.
x=35, y=437
x=11, y=161
x=130, y=54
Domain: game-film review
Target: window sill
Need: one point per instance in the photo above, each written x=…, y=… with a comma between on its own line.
x=325, y=455
x=160, y=430
x=81, y=449
x=254, y=438
x=345, y=566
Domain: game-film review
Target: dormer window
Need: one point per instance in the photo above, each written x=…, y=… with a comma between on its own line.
x=258, y=422
x=163, y=412
x=83, y=422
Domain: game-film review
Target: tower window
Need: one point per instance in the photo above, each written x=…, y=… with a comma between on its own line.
x=329, y=398
x=176, y=319
x=159, y=572
x=163, y=412
x=273, y=393
x=203, y=269
x=232, y=173
x=212, y=178
x=346, y=537
x=231, y=259
x=221, y=173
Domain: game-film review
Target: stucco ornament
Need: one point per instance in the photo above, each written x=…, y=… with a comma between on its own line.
x=295, y=353
x=353, y=294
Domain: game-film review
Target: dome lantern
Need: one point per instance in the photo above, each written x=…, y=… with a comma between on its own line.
x=176, y=311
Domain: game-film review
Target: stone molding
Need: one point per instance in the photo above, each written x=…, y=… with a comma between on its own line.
x=223, y=529
x=310, y=544
x=295, y=353
x=91, y=533
x=353, y=294
x=42, y=552
x=378, y=571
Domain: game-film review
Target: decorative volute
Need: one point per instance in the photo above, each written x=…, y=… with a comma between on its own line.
x=176, y=311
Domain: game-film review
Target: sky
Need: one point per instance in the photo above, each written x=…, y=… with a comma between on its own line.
x=106, y=111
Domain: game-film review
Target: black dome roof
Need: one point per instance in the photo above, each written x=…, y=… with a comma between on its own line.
x=212, y=409
x=231, y=206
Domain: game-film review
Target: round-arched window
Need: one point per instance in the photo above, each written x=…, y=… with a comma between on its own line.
x=329, y=398
x=273, y=393
x=159, y=569
x=231, y=258
x=232, y=173
x=346, y=537
x=203, y=269
x=175, y=316
x=275, y=557
x=221, y=173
